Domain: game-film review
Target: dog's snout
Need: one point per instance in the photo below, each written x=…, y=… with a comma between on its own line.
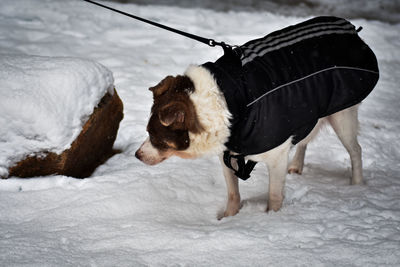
x=138, y=154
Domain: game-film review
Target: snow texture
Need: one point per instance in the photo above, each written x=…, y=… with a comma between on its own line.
x=129, y=214
x=44, y=103
x=383, y=10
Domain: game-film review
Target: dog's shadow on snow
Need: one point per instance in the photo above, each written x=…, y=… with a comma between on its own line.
x=313, y=174
x=255, y=204
x=320, y=173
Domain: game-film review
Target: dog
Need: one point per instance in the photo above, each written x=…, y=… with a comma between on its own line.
x=260, y=99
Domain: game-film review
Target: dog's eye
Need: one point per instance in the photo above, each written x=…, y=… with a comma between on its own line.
x=159, y=144
x=163, y=145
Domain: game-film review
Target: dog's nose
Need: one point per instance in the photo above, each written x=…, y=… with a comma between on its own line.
x=138, y=155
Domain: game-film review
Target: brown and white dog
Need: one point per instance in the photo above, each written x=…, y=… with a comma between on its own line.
x=260, y=98
x=190, y=118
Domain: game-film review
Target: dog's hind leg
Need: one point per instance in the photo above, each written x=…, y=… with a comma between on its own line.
x=345, y=124
x=297, y=163
x=232, y=184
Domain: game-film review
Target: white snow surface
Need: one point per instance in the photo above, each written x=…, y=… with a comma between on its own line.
x=383, y=10
x=44, y=103
x=129, y=214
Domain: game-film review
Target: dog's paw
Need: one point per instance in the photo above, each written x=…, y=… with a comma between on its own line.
x=356, y=181
x=227, y=213
x=275, y=202
x=273, y=207
x=294, y=169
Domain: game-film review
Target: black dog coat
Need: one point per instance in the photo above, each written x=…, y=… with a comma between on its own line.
x=280, y=85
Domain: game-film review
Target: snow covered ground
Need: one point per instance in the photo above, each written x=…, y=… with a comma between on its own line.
x=129, y=214
x=384, y=10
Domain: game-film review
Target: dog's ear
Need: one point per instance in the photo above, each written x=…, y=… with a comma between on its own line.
x=172, y=113
x=162, y=86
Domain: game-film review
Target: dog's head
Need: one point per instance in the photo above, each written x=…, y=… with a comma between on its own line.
x=173, y=116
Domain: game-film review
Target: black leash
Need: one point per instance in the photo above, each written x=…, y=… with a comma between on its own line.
x=203, y=40
x=244, y=168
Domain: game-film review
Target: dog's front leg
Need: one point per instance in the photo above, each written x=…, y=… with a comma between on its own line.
x=277, y=162
x=232, y=184
x=277, y=177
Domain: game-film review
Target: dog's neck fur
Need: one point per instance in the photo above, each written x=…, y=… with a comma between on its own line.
x=212, y=112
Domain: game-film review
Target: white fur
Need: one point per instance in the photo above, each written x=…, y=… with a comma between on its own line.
x=345, y=124
x=148, y=153
x=212, y=111
x=276, y=160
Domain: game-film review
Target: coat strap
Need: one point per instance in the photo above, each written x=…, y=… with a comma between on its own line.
x=244, y=168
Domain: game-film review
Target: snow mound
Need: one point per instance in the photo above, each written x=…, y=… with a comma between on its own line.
x=44, y=102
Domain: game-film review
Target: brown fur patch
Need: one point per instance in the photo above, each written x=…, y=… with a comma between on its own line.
x=173, y=114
